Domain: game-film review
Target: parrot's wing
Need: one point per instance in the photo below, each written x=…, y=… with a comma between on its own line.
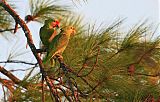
x=52, y=48
x=63, y=42
x=45, y=34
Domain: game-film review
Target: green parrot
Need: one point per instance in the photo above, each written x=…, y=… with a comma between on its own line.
x=59, y=44
x=47, y=34
x=49, y=31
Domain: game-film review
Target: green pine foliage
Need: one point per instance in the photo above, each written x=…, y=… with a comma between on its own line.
x=97, y=51
x=97, y=57
x=46, y=9
x=5, y=18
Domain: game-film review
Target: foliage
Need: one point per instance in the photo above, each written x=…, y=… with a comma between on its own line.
x=96, y=56
x=45, y=9
x=5, y=19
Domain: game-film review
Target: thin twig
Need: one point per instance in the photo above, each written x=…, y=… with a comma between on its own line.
x=4, y=93
x=17, y=61
x=95, y=64
x=8, y=84
x=43, y=96
x=22, y=69
x=4, y=30
x=148, y=75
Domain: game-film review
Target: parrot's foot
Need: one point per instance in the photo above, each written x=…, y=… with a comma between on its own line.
x=59, y=56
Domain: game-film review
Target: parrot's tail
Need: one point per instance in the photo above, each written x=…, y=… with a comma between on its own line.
x=48, y=62
x=49, y=67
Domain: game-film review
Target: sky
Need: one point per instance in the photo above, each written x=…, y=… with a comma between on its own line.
x=106, y=11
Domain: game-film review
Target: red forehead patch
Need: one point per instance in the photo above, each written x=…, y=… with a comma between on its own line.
x=55, y=23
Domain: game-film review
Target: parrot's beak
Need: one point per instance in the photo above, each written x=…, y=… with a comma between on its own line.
x=55, y=23
x=73, y=32
x=70, y=30
x=58, y=25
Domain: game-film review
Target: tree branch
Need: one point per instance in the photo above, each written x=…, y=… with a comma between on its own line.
x=10, y=75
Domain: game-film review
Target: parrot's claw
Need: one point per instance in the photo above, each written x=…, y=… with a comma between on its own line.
x=59, y=56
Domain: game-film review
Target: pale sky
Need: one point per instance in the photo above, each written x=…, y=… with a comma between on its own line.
x=110, y=10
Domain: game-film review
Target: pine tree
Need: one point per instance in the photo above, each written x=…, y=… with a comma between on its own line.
x=100, y=64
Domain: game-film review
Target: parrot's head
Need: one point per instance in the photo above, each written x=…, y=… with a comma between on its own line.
x=70, y=30
x=52, y=23
x=55, y=23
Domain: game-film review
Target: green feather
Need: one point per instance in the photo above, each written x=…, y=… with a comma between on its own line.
x=46, y=32
x=52, y=48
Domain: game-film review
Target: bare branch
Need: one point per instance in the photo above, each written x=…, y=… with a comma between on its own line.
x=17, y=61
x=13, y=70
x=10, y=75
x=4, y=30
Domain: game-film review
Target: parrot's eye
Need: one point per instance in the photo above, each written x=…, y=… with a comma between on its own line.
x=71, y=28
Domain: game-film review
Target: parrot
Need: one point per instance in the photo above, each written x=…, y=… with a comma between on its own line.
x=49, y=31
x=59, y=43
